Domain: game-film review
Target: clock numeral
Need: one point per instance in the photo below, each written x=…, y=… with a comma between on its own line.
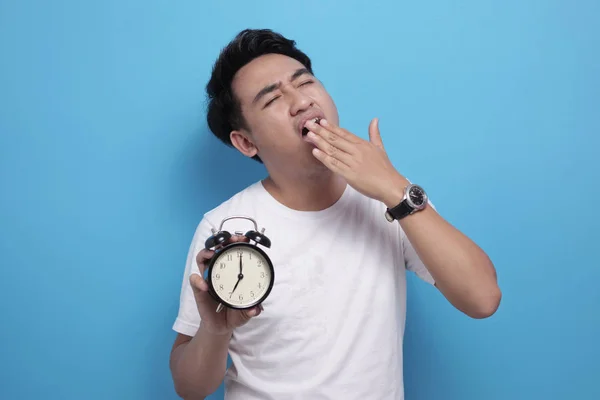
x=259, y=263
x=241, y=297
x=240, y=254
x=218, y=276
x=252, y=294
x=260, y=285
x=229, y=257
x=222, y=265
x=262, y=274
x=220, y=287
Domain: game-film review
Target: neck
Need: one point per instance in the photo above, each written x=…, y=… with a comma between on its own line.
x=306, y=193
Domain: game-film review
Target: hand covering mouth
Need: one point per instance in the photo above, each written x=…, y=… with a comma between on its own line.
x=305, y=129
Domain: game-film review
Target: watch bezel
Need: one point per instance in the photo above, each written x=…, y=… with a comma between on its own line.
x=406, y=203
x=408, y=199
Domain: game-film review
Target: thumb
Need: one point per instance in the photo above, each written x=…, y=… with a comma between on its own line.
x=246, y=315
x=374, y=134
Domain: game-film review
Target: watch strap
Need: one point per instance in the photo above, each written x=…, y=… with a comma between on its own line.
x=400, y=211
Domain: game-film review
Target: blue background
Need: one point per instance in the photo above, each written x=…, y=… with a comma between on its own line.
x=105, y=170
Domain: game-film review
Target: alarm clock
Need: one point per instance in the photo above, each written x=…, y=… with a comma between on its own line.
x=240, y=275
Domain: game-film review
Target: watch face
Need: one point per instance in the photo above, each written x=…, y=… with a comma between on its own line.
x=241, y=275
x=416, y=196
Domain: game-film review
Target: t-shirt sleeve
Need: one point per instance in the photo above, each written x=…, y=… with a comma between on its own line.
x=412, y=260
x=188, y=318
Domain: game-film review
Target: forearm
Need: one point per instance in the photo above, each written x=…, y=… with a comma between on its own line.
x=198, y=366
x=462, y=270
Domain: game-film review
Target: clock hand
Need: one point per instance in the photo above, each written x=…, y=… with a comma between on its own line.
x=236, y=285
x=240, y=277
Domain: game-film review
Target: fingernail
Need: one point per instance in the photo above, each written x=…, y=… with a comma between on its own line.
x=311, y=134
x=324, y=122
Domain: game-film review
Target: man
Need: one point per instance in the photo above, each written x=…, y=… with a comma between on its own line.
x=343, y=235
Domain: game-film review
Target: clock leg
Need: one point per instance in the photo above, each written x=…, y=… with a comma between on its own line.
x=219, y=307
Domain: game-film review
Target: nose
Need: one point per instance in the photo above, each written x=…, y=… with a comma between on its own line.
x=300, y=102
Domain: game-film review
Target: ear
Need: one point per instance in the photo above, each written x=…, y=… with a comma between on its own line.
x=242, y=141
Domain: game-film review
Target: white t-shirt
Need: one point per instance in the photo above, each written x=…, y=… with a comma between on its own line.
x=333, y=324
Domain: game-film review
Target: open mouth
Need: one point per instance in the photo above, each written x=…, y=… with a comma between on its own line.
x=305, y=129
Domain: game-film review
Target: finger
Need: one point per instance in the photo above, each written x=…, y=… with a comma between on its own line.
x=341, y=132
x=332, y=163
x=201, y=258
x=338, y=130
x=233, y=239
x=374, y=134
x=239, y=238
x=330, y=149
x=255, y=312
x=198, y=283
x=251, y=313
x=333, y=135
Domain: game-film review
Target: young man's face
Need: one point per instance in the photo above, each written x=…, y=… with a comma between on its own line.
x=277, y=94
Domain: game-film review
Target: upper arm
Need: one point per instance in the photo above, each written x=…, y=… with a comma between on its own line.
x=412, y=260
x=187, y=320
x=180, y=339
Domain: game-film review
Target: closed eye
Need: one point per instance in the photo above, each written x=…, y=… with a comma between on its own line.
x=276, y=97
x=271, y=101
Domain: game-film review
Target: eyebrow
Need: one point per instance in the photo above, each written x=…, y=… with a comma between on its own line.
x=268, y=89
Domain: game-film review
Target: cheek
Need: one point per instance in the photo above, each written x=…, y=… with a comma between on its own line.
x=321, y=95
x=330, y=109
x=271, y=130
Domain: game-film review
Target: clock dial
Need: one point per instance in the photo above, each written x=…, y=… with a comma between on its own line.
x=241, y=276
x=417, y=197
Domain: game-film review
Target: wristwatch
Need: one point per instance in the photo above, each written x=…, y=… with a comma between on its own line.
x=413, y=200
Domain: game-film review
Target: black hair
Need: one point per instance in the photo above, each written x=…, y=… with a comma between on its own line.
x=224, y=109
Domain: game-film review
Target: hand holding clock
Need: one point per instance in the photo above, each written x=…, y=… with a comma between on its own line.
x=228, y=319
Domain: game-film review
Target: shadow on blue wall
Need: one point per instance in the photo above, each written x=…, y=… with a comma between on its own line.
x=212, y=172
x=208, y=173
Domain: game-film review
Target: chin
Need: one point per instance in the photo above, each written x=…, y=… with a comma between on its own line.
x=314, y=164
